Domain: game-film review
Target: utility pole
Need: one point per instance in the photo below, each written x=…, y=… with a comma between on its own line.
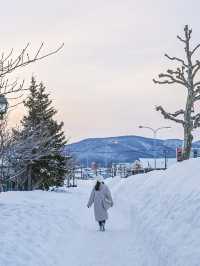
x=165, y=154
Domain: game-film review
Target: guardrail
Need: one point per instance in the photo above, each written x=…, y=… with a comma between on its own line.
x=144, y=170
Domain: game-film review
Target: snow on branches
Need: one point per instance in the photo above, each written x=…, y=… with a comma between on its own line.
x=186, y=75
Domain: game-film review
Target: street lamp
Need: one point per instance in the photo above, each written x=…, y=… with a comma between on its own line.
x=3, y=106
x=154, y=138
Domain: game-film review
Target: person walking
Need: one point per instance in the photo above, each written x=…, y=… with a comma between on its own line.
x=102, y=199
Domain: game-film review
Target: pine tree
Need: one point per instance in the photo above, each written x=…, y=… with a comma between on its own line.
x=50, y=169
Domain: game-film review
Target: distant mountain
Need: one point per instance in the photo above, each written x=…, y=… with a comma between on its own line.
x=121, y=149
x=173, y=143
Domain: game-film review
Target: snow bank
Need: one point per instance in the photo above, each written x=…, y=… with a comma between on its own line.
x=165, y=209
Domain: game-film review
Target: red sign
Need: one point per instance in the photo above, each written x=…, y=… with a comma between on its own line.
x=179, y=154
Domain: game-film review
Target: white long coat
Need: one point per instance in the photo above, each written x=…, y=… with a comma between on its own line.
x=102, y=200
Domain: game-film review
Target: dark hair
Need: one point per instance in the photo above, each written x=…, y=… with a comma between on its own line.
x=97, y=186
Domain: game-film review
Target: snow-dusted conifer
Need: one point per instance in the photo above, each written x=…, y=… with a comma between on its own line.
x=42, y=140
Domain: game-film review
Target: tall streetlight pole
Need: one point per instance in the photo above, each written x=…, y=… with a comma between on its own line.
x=3, y=111
x=154, y=139
x=3, y=106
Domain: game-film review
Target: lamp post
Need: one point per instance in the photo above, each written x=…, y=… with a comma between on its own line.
x=3, y=111
x=3, y=106
x=154, y=139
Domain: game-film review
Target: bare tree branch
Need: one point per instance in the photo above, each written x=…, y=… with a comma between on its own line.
x=196, y=119
x=172, y=80
x=8, y=64
x=196, y=84
x=177, y=59
x=16, y=97
x=177, y=113
x=12, y=106
x=181, y=39
x=168, y=115
x=196, y=68
x=195, y=49
x=197, y=98
x=197, y=91
x=179, y=74
x=162, y=82
x=7, y=57
x=21, y=62
x=6, y=88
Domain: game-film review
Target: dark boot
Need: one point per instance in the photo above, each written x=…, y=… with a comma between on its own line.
x=100, y=226
x=103, y=225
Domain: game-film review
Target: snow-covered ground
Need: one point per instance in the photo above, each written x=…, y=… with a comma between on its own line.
x=155, y=221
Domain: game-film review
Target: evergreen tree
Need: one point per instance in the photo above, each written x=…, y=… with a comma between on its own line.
x=50, y=169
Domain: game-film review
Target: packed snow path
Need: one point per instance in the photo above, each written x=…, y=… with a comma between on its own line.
x=47, y=228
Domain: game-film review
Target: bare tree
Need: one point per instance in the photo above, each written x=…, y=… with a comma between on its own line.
x=184, y=75
x=9, y=63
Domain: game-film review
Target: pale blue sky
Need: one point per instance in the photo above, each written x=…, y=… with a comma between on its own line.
x=101, y=82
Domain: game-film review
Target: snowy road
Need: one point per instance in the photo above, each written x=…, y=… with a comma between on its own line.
x=47, y=228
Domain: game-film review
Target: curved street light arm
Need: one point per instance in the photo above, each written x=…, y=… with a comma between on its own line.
x=148, y=128
x=156, y=130
x=154, y=139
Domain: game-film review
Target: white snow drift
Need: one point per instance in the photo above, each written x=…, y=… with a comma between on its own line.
x=155, y=221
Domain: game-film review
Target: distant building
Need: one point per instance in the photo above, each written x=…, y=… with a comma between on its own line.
x=137, y=165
